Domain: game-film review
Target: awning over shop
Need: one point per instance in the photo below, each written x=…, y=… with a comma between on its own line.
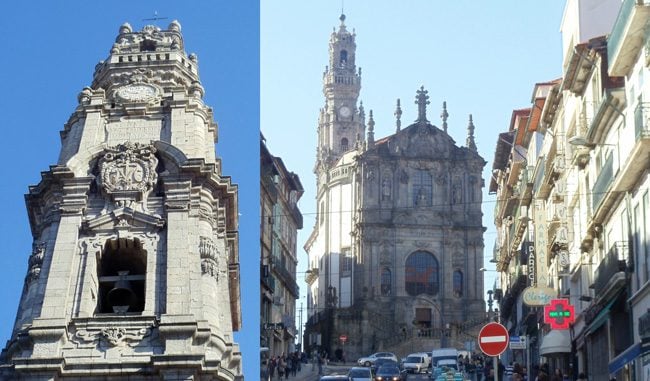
x=628, y=355
x=556, y=341
x=601, y=318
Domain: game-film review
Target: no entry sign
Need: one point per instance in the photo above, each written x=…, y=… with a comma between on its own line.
x=493, y=339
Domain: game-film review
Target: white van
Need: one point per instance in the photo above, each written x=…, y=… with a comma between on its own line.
x=416, y=363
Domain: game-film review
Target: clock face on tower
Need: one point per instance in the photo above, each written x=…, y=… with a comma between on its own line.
x=345, y=112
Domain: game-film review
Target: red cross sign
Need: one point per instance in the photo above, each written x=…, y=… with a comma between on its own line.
x=559, y=314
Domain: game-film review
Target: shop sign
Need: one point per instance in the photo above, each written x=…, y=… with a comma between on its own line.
x=538, y=296
x=559, y=314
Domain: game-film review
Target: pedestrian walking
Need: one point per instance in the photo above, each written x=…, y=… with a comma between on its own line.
x=320, y=365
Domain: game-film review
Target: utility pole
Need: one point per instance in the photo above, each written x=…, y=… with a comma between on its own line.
x=300, y=330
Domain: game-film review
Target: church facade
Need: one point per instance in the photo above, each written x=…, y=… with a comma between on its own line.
x=135, y=267
x=396, y=249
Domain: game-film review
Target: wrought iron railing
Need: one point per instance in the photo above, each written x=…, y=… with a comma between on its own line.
x=618, y=30
x=603, y=181
x=613, y=263
x=642, y=121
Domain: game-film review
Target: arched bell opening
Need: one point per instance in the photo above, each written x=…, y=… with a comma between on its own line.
x=121, y=270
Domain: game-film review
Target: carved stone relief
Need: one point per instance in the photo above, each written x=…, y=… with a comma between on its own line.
x=35, y=261
x=114, y=336
x=128, y=172
x=209, y=257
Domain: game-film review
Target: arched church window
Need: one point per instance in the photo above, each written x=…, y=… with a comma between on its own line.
x=121, y=269
x=422, y=188
x=421, y=274
x=458, y=283
x=344, y=144
x=386, y=281
x=343, y=59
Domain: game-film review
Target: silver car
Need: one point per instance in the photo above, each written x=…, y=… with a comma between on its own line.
x=367, y=361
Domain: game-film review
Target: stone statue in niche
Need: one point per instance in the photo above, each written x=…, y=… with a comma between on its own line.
x=420, y=198
x=386, y=186
x=456, y=194
x=370, y=175
x=403, y=177
x=441, y=178
x=384, y=255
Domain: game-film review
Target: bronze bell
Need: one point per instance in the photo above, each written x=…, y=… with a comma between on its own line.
x=121, y=297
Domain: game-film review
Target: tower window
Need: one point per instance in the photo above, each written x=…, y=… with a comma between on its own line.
x=148, y=46
x=344, y=144
x=121, y=271
x=343, y=59
x=421, y=274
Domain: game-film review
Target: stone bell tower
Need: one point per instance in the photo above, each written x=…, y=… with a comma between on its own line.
x=134, y=272
x=341, y=122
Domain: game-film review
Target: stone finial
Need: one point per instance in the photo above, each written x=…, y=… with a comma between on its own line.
x=174, y=26
x=422, y=100
x=342, y=18
x=444, y=115
x=126, y=28
x=470, y=135
x=371, y=129
x=362, y=111
x=398, y=116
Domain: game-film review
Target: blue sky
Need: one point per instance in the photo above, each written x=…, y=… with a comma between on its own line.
x=480, y=57
x=50, y=50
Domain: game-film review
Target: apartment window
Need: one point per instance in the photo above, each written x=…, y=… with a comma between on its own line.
x=644, y=235
x=345, y=262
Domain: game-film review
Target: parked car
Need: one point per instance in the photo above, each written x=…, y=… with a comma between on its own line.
x=416, y=363
x=360, y=374
x=335, y=377
x=390, y=372
x=381, y=362
x=369, y=360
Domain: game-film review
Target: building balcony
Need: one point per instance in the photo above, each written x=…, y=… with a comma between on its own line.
x=627, y=36
x=297, y=216
x=311, y=275
x=602, y=183
x=269, y=185
x=610, y=273
x=609, y=188
x=606, y=113
x=288, y=279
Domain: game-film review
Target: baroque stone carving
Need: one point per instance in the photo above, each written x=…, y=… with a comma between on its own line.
x=137, y=93
x=209, y=257
x=35, y=261
x=115, y=336
x=128, y=172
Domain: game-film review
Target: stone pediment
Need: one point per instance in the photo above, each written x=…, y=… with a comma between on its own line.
x=419, y=140
x=124, y=218
x=424, y=140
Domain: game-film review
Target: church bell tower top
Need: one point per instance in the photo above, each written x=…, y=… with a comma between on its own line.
x=148, y=50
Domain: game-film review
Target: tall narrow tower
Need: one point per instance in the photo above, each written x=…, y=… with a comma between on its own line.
x=340, y=124
x=135, y=271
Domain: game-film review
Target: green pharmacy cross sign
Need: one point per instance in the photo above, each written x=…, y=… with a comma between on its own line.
x=559, y=314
